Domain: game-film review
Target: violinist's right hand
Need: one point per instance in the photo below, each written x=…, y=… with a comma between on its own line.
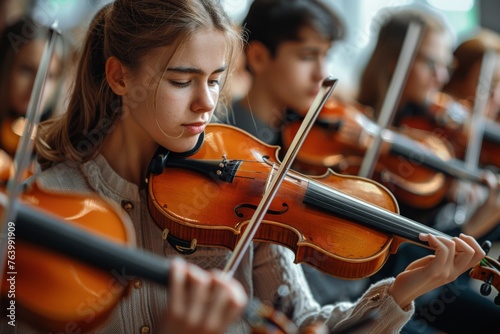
x=201, y=302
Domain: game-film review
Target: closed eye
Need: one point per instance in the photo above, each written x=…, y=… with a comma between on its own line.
x=180, y=83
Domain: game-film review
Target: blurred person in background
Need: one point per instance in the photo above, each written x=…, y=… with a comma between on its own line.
x=444, y=309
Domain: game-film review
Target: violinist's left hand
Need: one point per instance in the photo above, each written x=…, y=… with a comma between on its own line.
x=355, y=129
x=451, y=258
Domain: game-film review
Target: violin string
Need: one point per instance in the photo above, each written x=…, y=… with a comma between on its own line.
x=365, y=213
x=486, y=263
x=375, y=216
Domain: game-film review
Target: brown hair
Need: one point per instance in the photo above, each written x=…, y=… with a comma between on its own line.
x=274, y=22
x=127, y=30
x=468, y=54
x=378, y=72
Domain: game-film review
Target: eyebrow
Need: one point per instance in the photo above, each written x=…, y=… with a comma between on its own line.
x=193, y=70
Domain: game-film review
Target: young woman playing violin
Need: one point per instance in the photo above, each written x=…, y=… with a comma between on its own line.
x=127, y=101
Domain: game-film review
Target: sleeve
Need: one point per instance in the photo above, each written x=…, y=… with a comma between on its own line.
x=279, y=282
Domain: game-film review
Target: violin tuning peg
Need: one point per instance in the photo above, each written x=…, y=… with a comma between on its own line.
x=486, y=286
x=485, y=289
x=486, y=246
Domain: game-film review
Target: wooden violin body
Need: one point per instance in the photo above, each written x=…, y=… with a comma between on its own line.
x=53, y=290
x=218, y=188
x=411, y=182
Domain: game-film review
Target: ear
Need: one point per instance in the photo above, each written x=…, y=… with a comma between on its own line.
x=258, y=57
x=115, y=75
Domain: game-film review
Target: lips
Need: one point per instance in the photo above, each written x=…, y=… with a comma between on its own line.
x=195, y=128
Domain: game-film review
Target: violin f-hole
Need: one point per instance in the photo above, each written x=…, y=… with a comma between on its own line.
x=254, y=207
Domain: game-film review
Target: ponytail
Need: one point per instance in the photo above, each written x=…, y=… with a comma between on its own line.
x=78, y=133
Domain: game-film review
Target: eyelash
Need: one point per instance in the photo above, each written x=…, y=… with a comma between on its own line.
x=180, y=84
x=186, y=84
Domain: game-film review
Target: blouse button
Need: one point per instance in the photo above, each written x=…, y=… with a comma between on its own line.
x=375, y=297
x=137, y=283
x=144, y=329
x=128, y=206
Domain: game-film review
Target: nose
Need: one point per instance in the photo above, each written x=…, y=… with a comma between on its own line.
x=320, y=70
x=205, y=99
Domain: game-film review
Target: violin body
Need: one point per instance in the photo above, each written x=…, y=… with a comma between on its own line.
x=215, y=199
x=53, y=290
x=411, y=182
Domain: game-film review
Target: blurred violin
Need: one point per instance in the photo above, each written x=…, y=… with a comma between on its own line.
x=52, y=289
x=450, y=119
x=6, y=166
x=10, y=136
x=12, y=130
x=412, y=164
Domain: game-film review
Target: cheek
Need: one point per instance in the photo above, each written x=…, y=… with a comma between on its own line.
x=418, y=85
x=290, y=82
x=20, y=91
x=162, y=112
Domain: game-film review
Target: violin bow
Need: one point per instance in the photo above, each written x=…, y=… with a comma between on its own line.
x=23, y=152
x=476, y=129
x=252, y=227
x=412, y=39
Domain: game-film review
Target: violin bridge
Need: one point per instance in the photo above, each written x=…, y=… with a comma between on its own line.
x=272, y=174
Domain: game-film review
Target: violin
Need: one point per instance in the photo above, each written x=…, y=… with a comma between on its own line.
x=449, y=119
x=401, y=166
x=345, y=226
